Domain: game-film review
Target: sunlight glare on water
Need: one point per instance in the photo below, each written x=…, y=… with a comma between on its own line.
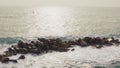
x=59, y=21
x=52, y=20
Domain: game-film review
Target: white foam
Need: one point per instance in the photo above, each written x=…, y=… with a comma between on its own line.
x=80, y=57
x=3, y=47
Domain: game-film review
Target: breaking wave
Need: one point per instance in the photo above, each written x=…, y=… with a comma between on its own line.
x=12, y=40
x=89, y=57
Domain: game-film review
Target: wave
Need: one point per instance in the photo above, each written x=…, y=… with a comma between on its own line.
x=80, y=58
x=90, y=57
x=12, y=40
x=115, y=35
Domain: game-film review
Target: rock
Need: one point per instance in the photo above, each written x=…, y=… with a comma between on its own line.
x=116, y=41
x=98, y=46
x=73, y=49
x=5, y=60
x=98, y=41
x=83, y=44
x=62, y=50
x=112, y=39
x=88, y=40
x=14, y=61
x=35, y=51
x=22, y=57
x=105, y=41
x=20, y=44
x=44, y=45
x=22, y=51
x=1, y=57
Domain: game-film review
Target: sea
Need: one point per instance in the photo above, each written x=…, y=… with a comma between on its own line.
x=20, y=23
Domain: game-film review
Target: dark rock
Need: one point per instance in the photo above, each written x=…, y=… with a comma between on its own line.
x=99, y=46
x=116, y=41
x=43, y=45
x=62, y=50
x=1, y=57
x=20, y=44
x=98, y=40
x=105, y=41
x=22, y=51
x=83, y=44
x=14, y=61
x=5, y=60
x=35, y=51
x=72, y=49
x=22, y=57
x=88, y=40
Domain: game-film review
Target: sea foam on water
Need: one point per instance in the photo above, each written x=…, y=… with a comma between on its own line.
x=81, y=57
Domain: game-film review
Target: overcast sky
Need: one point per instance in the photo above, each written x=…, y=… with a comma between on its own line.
x=104, y=3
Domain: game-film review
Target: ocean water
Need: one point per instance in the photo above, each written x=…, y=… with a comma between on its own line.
x=65, y=23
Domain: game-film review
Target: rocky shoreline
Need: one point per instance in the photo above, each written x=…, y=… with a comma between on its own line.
x=43, y=45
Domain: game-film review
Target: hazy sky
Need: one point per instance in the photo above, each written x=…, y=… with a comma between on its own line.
x=106, y=3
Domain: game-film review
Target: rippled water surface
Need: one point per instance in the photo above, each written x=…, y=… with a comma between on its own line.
x=58, y=21
x=66, y=23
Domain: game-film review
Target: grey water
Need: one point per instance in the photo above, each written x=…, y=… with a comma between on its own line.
x=19, y=23
x=59, y=21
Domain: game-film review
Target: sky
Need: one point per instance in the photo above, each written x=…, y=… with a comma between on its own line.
x=74, y=3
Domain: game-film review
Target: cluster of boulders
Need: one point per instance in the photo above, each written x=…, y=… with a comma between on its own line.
x=43, y=45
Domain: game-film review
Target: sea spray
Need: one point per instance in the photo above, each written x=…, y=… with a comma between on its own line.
x=80, y=57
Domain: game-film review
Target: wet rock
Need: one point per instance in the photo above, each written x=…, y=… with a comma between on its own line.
x=88, y=40
x=62, y=50
x=83, y=43
x=105, y=41
x=14, y=61
x=98, y=46
x=20, y=44
x=43, y=45
x=22, y=51
x=112, y=39
x=72, y=49
x=35, y=51
x=98, y=41
x=22, y=57
x=1, y=57
x=5, y=60
x=115, y=40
